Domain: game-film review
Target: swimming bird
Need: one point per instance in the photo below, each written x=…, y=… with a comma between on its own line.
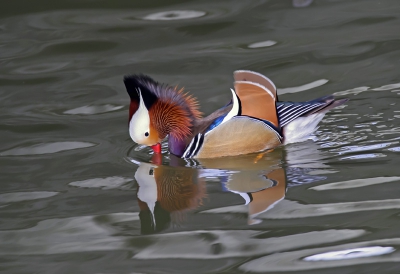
x=255, y=120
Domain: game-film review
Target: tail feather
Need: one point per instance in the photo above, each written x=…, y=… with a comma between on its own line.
x=302, y=128
x=302, y=124
x=290, y=111
x=334, y=103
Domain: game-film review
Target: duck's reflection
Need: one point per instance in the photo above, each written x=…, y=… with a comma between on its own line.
x=261, y=200
x=259, y=179
x=166, y=192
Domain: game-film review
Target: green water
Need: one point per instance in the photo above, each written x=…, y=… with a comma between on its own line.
x=77, y=195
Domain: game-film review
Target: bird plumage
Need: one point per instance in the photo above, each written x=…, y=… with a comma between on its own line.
x=253, y=121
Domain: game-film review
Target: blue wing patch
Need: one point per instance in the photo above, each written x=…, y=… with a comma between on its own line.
x=216, y=123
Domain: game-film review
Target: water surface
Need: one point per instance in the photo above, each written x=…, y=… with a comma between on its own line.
x=78, y=196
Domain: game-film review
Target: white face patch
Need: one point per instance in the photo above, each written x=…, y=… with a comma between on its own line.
x=140, y=123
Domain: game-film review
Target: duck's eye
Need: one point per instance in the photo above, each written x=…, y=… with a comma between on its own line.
x=146, y=134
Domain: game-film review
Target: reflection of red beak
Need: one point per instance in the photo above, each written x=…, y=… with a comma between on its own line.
x=156, y=148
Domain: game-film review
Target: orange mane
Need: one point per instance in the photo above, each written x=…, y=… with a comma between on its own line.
x=174, y=113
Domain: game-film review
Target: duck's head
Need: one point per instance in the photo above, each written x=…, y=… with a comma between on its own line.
x=158, y=110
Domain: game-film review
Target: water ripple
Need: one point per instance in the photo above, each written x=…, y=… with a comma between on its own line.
x=202, y=244
x=65, y=235
x=353, y=91
x=90, y=110
x=103, y=183
x=175, y=15
x=25, y=196
x=97, y=233
x=353, y=253
x=356, y=183
x=303, y=87
x=46, y=148
x=42, y=68
x=289, y=209
x=372, y=252
x=388, y=87
x=364, y=156
x=262, y=44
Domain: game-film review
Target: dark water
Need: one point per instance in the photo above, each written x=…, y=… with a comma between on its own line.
x=69, y=198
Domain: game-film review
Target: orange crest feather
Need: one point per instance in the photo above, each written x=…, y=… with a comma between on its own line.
x=174, y=114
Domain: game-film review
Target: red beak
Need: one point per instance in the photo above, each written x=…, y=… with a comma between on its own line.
x=156, y=148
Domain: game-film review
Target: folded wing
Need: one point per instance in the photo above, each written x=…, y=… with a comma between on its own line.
x=258, y=78
x=257, y=101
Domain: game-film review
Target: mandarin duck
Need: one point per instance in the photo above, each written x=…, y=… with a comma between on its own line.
x=255, y=120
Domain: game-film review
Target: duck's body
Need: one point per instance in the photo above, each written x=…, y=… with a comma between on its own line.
x=253, y=121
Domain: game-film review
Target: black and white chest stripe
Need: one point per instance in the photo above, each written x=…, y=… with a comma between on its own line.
x=194, y=146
